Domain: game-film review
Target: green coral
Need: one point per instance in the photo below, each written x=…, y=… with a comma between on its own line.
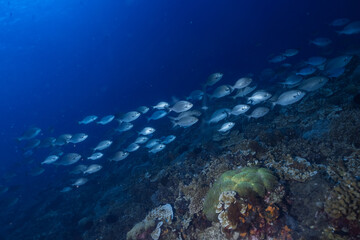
x=245, y=181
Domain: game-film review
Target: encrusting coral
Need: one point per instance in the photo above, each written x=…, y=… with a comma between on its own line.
x=246, y=182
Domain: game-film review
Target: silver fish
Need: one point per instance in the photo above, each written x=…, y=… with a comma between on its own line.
x=96, y=156
x=292, y=80
x=334, y=73
x=30, y=133
x=132, y=147
x=105, y=120
x=185, y=122
x=213, y=78
x=226, y=127
x=69, y=159
x=147, y=131
x=313, y=84
x=93, y=168
x=258, y=97
x=196, y=95
x=340, y=22
x=47, y=142
x=194, y=113
x=161, y=105
x=141, y=140
x=352, y=28
x=130, y=116
x=277, y=59
x=119, y=156
x=169, y=139
x=66, y=189
x=79, y=169
x=321, y=42
x=291, y=52
x=242, y=83
x=219, y=115
x=221, y=91
x=152, y=142
x=259, y=112
x=62, y=139
x=124, y=126
x=79, y=137
x=181, y=106
x=32, y=143
x=88, y=119
x=157, y=115
x=306, y=71
x=289, y=97
x=143, y=109
x=157, y=148
x=315, y=61
x=240, y=109
x=243, y=92
x=80, y=181
x=103, y=145
x=50, y=159
x=36, y=171
x=338, y=62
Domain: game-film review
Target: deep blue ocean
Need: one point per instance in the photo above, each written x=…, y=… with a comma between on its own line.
x=63, y=60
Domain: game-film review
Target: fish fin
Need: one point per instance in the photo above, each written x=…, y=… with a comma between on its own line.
x=174, y=124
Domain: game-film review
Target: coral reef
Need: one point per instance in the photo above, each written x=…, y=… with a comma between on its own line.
x=342, y=206
x=142, y=230
x=246, y=182
x=298, y=169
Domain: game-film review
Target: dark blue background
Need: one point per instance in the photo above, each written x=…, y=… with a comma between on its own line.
x=63, y=60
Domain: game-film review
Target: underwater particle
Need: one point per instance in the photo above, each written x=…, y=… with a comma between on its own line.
x=246, y=182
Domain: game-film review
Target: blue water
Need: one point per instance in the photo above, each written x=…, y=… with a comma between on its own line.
x=63, y=60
